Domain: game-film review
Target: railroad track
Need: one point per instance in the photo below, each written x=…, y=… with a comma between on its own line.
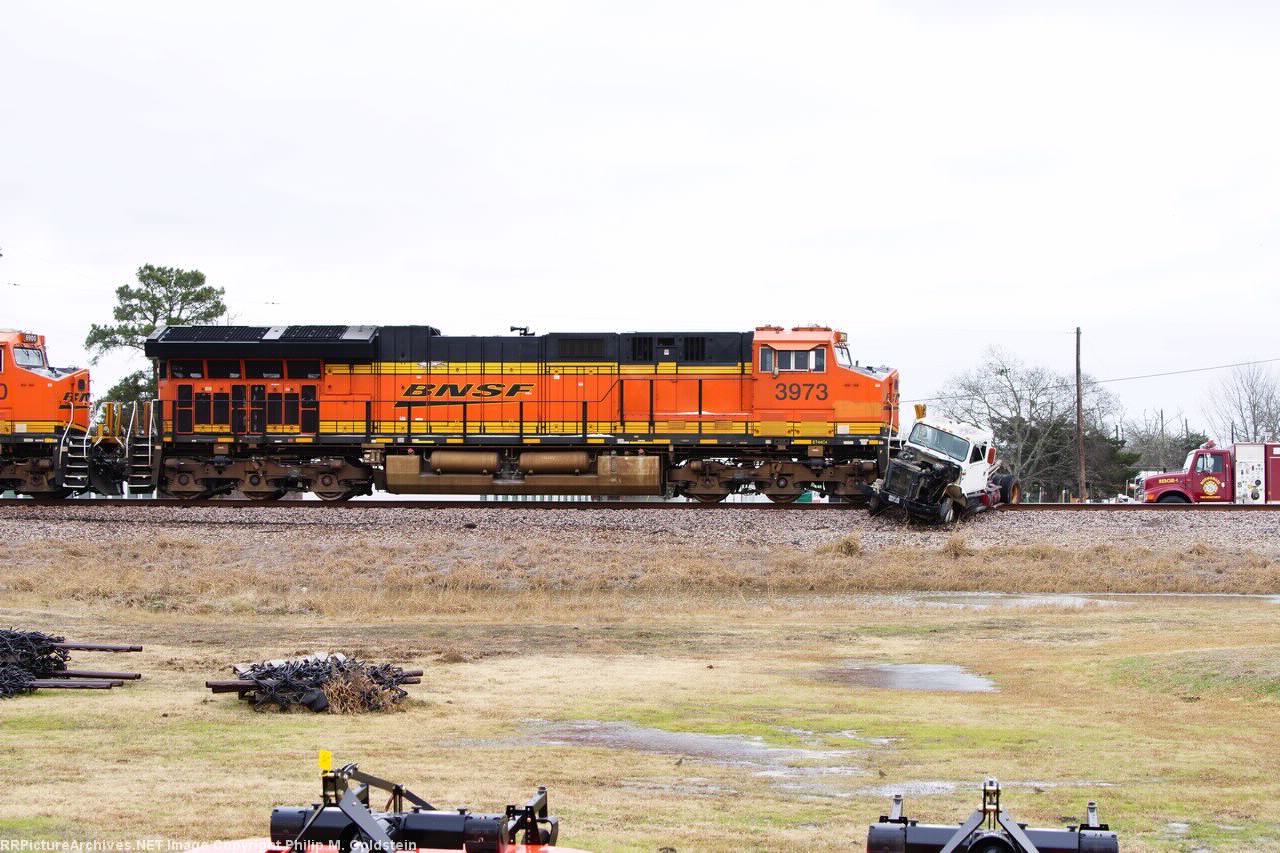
x=358, y=505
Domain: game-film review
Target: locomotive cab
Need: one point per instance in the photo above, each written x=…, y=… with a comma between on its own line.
x=807, y=379
x=37, y=400
x=40, y=406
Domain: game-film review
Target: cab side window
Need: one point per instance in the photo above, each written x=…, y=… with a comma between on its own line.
x=793, y=361
x=978, y=452
x=1209, y=463
x=1, y=359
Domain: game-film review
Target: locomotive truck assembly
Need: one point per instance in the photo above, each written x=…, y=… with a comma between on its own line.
x=341, y=410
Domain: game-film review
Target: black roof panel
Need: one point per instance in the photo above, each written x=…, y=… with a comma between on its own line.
x=355, y=343
x=313, y=333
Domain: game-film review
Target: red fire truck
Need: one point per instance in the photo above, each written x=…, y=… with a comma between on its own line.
x=1242, y=474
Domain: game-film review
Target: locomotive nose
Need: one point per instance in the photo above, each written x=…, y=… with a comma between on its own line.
x=73, y=397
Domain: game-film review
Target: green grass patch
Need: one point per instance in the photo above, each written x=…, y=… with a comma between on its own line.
x=37, y=829
x=1250, y=672
x=1228, y=835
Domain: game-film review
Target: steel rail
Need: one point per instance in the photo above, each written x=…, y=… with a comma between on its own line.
x=358, y=505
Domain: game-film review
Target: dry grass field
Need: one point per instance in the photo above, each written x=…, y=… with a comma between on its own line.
x=669, y=696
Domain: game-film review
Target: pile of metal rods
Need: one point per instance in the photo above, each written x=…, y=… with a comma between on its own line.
x=317, y=681
x=30, y=661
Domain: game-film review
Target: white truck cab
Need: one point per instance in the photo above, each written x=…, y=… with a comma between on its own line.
x=944, y=469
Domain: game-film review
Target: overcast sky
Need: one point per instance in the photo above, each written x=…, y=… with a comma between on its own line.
x=932, y=177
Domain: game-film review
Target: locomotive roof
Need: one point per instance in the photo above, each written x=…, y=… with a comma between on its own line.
x=425, y=343
x=263, y=341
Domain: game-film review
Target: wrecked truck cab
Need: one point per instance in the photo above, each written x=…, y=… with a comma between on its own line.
x=944, y=470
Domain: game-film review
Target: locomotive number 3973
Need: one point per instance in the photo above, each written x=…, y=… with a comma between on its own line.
x=800, y=391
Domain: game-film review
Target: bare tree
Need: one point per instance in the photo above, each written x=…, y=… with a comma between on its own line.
x=1161, y=442
x=1031, y=411
x=1247, y=406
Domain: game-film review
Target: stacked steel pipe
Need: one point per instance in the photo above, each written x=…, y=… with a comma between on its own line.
x=30, y=661
x=320, y=682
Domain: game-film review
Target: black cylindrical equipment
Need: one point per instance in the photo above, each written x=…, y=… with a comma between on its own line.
x=447, y=830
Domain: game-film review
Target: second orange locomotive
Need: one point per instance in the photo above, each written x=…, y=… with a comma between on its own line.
x=340, y=410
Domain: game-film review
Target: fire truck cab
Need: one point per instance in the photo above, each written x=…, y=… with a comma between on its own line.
x=1242, y=474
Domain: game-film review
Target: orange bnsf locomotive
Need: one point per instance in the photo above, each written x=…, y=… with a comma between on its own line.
x=43, y=411
x=341, y=410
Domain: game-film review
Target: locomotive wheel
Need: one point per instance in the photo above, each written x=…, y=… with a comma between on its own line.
x=708, y=499
x=327, y=487
x=51, y=497
x=782, y=499
x=186, y=484
x=344, y=495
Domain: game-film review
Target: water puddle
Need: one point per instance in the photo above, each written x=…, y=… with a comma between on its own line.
x=939, y=677
x=986, y=600
x=914, y=788
x=816, y=772
x=740, y=750
x=936, y=787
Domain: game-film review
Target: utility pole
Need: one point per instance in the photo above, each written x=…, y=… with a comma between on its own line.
x=1084, y=497
x=1164, y=445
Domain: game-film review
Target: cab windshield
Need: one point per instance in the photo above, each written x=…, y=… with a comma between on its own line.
x=28, y=357
x=940, y=441
x=1186, y=466
x=842, y=356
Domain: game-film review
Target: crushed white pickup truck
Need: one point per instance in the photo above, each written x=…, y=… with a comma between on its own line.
x=944, y=470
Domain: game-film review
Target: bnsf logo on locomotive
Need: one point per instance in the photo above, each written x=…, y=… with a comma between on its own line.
x=487, y=389
x=74, y=398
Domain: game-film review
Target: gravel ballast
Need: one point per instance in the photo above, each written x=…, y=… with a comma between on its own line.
x=717, y=530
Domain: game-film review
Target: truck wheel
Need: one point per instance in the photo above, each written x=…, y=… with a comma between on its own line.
x=1010, y=488
x=1172, y=498
x=875, y=505
x=947, y=511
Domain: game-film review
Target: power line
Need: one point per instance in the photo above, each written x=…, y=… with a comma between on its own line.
x=1106, y=381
